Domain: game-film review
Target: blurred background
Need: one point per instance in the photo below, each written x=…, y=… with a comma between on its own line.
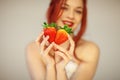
x=21, y=22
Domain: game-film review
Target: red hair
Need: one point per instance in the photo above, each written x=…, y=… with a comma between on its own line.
x=54, y=12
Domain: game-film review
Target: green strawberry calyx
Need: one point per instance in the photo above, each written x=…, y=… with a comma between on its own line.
x=45, y=25
x=67, y=29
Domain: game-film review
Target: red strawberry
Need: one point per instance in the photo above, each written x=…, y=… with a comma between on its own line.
x=61, y=35
x=50, y=30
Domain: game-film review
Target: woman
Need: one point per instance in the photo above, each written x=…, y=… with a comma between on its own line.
x=76, y=58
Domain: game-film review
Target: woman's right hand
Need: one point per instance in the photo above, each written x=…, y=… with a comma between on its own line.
x=45, y=50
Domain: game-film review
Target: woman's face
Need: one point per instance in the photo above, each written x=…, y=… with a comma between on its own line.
x=72, y=14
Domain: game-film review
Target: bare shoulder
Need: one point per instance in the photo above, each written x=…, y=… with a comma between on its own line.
x=87, y=51
x=31, y=46
x=32, y=49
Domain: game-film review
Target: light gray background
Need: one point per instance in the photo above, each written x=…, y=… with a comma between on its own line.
x=20, y=23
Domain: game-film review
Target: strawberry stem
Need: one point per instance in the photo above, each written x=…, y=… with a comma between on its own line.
x=45, y=25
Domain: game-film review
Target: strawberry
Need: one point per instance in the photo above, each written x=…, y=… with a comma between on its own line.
x=50, y=30
x=62, y=34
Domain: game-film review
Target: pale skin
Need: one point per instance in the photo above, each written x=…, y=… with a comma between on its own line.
x=47, y=61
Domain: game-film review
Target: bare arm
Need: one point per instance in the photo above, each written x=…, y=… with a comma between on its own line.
x=51, y=74
x=66, y=56
x=35, y=64
x=36, y=67
x=61, y=74
x=40, y=63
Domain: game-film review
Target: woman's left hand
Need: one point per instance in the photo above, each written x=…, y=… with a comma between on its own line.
x=64, y=55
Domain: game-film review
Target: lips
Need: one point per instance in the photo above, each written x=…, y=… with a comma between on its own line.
x=69, y=23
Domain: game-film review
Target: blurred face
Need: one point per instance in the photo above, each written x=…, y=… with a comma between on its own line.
x=72, y=13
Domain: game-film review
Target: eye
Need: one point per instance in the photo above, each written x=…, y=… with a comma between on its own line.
x=64, y=8
x=78, y=11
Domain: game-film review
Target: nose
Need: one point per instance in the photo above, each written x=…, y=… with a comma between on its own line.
x=71, y=14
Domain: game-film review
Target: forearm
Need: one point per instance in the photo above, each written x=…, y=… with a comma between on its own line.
x=61, y=74
x=50, y=73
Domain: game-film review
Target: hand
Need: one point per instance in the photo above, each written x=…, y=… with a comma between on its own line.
x=63, y=56
x=45, y=49
x=63, y=59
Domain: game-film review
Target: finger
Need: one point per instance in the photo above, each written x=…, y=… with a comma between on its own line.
x=47, y=42
x=62, y=55
x=62, y=50
x=39, y=37
x=57, y=47
x=72, y=44
x=42, y=45
x=48, y=48
x=57, y=58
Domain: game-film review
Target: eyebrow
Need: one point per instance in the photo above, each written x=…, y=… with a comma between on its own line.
x=80, y=7
x=77, y=7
